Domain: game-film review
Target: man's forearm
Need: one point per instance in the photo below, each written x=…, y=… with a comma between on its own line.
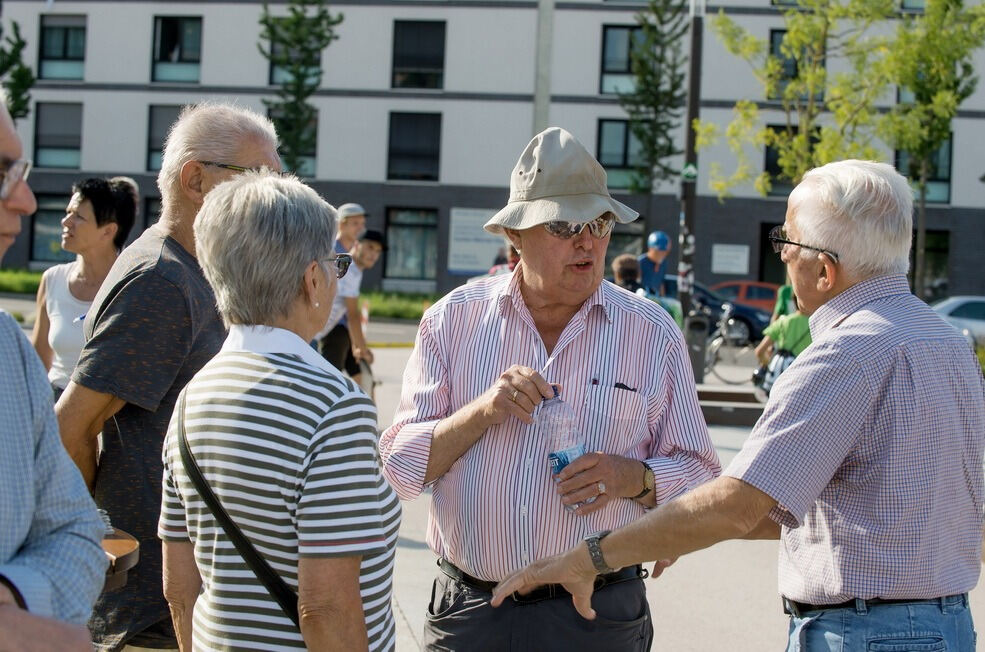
x=81, y=414
x=452, y=437
x=723, y=509
x=25, y=632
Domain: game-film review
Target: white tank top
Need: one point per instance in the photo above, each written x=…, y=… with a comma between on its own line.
x=65, y=316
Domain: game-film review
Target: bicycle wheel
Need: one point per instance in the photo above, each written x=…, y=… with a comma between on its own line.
x=731, y=363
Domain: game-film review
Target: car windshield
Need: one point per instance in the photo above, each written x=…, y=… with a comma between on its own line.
x=671, y=283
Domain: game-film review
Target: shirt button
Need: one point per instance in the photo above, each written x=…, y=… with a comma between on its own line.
x=523, y=510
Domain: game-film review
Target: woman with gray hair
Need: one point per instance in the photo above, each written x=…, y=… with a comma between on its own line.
x=286, y=443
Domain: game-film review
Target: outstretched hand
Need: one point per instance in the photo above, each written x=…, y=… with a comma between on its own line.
x=572, y=569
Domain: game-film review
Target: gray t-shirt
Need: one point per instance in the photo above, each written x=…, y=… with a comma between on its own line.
x=151, y=327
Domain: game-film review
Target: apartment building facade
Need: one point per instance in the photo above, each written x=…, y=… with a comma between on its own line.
x=423, y=107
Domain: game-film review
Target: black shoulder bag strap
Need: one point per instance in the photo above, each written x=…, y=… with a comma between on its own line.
x=274, y=583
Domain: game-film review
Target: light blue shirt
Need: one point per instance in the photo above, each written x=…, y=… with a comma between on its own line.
x=50, y=531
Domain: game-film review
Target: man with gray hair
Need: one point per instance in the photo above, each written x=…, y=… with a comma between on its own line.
x=867, y=461
x=486, y=357
x=151, y=327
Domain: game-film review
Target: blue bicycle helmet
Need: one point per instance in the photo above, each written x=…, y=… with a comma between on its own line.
x=658, y=240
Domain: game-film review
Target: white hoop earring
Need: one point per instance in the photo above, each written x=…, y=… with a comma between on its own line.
x=317, y=305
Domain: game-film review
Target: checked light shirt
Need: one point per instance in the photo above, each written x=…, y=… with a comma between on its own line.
x=497, y=509
x=50, y=531
x=872, y=445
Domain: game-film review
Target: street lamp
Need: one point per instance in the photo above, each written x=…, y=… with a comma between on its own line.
x=695, y=323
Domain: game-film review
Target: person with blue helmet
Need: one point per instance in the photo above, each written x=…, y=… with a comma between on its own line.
x=653, y=263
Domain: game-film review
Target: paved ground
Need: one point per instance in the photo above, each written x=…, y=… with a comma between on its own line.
x=723, y=598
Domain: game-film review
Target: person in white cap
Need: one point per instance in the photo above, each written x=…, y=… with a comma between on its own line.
x=486, y=356
x=342, y=341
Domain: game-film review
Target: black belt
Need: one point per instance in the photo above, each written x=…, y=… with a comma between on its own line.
x=545, y=592
x=794, y=608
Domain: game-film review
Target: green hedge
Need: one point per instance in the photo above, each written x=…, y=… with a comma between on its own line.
x=19, y=281
x=386, y=305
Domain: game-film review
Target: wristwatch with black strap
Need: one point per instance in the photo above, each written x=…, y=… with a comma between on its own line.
x=595, y=551
x=648, y=482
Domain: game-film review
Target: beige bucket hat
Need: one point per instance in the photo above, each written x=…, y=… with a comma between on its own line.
x=557, y=179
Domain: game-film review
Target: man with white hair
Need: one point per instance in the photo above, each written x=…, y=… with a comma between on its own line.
x=151, y=327
x=867, y=461
x=486, y=356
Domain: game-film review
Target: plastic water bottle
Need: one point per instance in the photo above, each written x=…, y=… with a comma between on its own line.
x=557, y=423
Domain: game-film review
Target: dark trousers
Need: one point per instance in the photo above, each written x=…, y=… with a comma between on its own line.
x=336, y=347
x=460, y=618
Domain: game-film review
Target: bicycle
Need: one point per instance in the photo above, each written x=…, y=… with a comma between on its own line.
x=729, y=350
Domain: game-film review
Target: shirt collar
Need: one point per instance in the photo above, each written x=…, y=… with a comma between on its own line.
x=269, y=339
x=510, y=295
x=839, y=308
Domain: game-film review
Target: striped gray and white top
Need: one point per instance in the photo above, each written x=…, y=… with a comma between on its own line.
x=289, y=447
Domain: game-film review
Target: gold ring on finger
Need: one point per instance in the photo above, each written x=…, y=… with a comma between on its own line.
x=515, y=392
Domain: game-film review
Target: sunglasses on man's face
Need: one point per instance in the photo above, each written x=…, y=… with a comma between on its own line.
x=11, y=174
x=340, y=262
x=600, y=227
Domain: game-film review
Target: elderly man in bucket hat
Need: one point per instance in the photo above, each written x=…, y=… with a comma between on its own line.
x=486, y=356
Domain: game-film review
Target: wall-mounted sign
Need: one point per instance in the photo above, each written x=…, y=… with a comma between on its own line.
x=471, y=249
x=730, y=259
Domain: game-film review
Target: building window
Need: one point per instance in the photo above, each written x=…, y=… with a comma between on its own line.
x=57, y=135
x=282, y=74
x=63, y=47
x=619, y=152
x=939, y=177
x=152, y=211
x=913, y=5
x=46, y=230
x=617, y=43
x=415, y=146
x=177, y=48
x=788, y=65
x=780, y=184
x=413, y=234
x=161, y=118
x=307, y=162
x=418, y=54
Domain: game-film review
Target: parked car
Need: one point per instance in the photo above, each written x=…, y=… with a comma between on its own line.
x=749, y=321
x=757, y=294
x=964, y=313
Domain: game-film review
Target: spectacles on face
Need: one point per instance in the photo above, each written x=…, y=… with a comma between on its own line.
x=12, y=174
x=600, y=227
x=778, y=238
x=238, y=168
x=341, y=263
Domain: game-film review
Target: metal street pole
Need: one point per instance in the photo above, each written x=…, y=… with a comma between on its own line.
x=695, y=323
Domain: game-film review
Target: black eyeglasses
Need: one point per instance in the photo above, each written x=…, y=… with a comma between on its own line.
x=11, y=175
x=341, y=262
x=778, y=238
x=239, y=168
x=600, y=227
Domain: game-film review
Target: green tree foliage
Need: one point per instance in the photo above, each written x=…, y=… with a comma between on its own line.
x=931, y=62
x=294, y=45
x=17, y=77
x=825, y=116
x=656, y=103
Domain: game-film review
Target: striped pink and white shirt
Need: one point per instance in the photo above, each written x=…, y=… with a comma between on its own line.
x=496, y=509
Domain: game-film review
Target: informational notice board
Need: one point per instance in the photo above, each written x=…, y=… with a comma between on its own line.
x=472, y=249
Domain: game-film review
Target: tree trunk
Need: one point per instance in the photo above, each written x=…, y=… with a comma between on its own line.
x=919, y=255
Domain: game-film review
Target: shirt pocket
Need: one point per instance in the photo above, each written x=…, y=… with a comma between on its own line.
x=613, y=420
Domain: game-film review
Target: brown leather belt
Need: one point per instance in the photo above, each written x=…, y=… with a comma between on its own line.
x=546, y=592
x=794, y=608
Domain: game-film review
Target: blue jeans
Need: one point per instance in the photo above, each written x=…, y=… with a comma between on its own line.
x=932, y=626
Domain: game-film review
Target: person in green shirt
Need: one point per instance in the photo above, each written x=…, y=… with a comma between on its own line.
x=783, y=340
x=785, y=303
